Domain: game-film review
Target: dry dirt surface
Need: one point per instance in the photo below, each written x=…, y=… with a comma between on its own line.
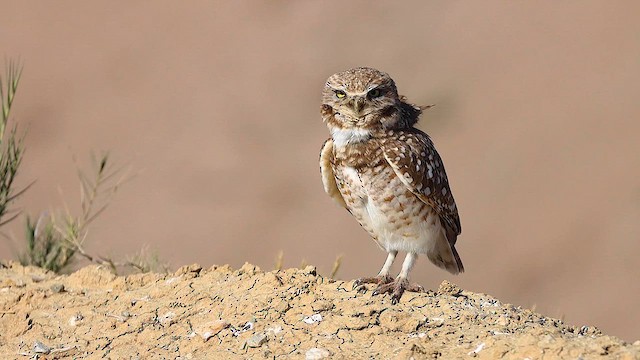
x=219, y=313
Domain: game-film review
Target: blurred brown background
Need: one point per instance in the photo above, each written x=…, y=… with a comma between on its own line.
x=217, y=104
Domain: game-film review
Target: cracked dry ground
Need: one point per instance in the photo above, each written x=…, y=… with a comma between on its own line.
x=219, y=313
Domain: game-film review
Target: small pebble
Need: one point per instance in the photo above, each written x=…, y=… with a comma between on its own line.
x=316, y=354
x=37, y=278
x=208, y=330
x=74, y=320
x=312, y=319
x=167, y=319
x=275, y=330
x=41, y=348
x=246, y=327
x=257, y=340
x=477, y=349
x=310, y=270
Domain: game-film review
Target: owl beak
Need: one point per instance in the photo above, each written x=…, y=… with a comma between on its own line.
x=358, y=104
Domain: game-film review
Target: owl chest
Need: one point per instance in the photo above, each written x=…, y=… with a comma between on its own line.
x=356, y=188
x=376, y=197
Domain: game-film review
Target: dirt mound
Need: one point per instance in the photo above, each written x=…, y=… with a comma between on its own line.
x=248, y=313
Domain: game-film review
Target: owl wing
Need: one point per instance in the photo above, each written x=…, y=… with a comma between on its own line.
x=419, y=166
x=328, y=176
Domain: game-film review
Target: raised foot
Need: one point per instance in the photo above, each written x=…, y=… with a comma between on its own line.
x=358, y=284
x=396, y=288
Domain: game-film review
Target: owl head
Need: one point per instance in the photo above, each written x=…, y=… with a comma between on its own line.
x=364, y=98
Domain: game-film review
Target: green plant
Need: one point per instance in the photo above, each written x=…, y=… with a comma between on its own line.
x=45, y=246
x=146, y=261
x=55, y=240
x=11, y=147
x=96, y=193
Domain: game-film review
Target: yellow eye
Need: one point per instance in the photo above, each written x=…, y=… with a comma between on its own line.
x=374, y=93
x=340, y=94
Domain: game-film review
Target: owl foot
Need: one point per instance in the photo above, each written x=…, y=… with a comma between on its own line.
x=358, y=284
x=397, y=288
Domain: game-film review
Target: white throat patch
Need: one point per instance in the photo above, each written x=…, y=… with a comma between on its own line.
x=343, y=137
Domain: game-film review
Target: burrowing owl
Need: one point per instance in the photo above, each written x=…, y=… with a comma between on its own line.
x=388, y=175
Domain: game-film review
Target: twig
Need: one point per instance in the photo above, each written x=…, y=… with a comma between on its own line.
x=336, y=266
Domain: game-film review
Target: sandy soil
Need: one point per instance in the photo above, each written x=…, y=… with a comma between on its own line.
x=247, y=313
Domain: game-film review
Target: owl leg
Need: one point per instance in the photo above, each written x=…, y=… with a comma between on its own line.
x=401, y=283
x=382, y=277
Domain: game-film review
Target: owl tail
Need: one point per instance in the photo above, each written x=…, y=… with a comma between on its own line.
x=459, y=266
x=444, y=254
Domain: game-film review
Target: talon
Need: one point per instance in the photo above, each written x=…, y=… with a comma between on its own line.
x=414, y=288
x=359, y=284
x=384, y=288
x=397, y=294
x=396, y=288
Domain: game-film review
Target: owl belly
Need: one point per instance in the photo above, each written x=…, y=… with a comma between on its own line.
x=395, y=218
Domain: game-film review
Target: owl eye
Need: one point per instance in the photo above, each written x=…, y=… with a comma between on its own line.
x=340, y=94
x=374, y=93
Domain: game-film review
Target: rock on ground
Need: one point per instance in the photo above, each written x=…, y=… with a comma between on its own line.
x=247, y=313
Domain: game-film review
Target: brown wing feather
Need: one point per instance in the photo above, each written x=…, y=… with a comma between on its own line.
x=328, y=176
x=419, y=166
x=416, y=161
